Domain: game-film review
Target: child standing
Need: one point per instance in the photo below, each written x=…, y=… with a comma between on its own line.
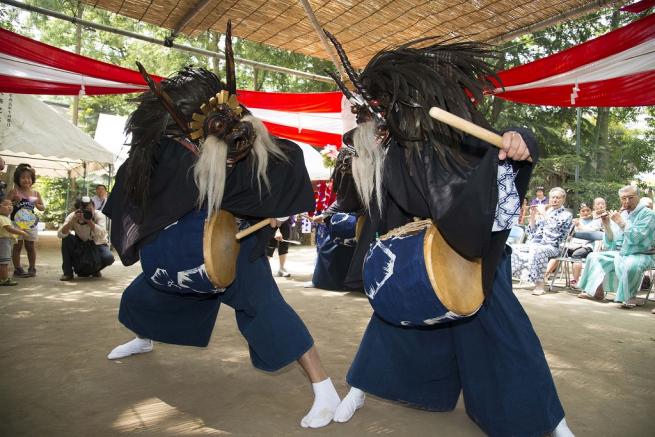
x=25, y=200
x=7, y=240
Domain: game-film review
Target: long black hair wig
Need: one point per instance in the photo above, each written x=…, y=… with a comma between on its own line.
x=408, y=80
x=188, y=89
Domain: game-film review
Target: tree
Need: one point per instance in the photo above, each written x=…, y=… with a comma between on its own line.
x=610, y=154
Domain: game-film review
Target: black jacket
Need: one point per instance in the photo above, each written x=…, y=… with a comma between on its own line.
x=173, y=194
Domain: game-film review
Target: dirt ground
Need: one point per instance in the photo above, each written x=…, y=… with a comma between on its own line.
x=56, y=380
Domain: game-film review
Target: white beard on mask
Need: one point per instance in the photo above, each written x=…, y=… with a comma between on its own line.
x=210, y=170
x=368, y=165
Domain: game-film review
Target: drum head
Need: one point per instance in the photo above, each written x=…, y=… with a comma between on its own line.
x=456, y=280
x=220, y=248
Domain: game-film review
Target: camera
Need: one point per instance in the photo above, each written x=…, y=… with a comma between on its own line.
x=88, y=215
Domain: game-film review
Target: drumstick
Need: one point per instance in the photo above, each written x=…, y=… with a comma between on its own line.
x=290, y=241
x=468, y=127
x=257, y=226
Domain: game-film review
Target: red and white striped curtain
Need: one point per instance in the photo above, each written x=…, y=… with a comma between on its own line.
x=615, y=69
x=31, y=67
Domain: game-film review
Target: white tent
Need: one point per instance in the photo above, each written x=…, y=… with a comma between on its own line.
x=110, y=134
x=32, y=132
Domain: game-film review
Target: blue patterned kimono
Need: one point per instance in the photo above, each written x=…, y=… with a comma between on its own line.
x=544, y=239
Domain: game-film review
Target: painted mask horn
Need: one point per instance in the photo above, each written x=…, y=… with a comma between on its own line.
x=164, y=98
x=230, y=70
x=370, y=103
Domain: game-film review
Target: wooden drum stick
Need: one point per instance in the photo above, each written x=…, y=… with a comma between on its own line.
x=257, y=226
x=468, y=127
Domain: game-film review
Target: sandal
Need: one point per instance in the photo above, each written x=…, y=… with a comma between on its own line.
x=8, y=281
x=573, y=282
x=584, y=295
x=630, y=304
x=31, y=272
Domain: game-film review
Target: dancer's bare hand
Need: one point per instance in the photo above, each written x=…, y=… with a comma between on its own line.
x=513, y=147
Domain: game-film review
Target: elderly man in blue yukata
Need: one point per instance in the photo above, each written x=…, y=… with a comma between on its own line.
x=630, y=239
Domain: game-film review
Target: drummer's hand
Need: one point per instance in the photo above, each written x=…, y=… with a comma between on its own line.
x=278, y=236
x=274, y=223
x=318, y=219
x=513, y=147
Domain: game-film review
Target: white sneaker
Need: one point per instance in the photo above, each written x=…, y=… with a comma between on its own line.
x=308, y=284
x=136, y=346
x=283, y=273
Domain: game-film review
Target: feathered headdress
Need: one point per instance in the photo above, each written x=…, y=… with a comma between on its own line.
x=187, y=90
x=402, y=84
x=190, y=105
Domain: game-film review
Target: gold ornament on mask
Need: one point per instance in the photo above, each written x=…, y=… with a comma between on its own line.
x=223, y=98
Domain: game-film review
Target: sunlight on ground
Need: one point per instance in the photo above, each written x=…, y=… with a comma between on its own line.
x=236, y=357
x=157, y=416
x=21, y=315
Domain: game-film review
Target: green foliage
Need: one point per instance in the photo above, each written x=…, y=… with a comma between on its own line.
x=607, y=161
x=608, y=158
x=586, y=191
x=53, y=191
x=271, y=81
x=123, y=51
x=59, y=195
x=8, y=17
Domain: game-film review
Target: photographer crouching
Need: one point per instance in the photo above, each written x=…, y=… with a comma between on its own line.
x=87, y=252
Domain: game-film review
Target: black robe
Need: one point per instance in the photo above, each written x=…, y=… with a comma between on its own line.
x=463, y=204
x=173, y=193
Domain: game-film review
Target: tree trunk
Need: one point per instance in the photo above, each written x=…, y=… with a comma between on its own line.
x=78, y=49
x=498, y=104
x=601, y=136
x=213, y=38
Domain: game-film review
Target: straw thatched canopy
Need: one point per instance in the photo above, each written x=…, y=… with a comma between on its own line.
x=363, y=26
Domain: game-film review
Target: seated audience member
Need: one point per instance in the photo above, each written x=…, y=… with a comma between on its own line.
x=540, y=203
x=525, y=208
x=630, y=242
x=89, y=225
x=587, y=231
x=100, y=198
x=540, y=199
x=600, y=207
x=529, y=261
x=648, y=277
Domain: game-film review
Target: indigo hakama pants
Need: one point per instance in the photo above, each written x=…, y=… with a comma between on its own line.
x=275, y=334
x=332, y=263
x=494, y=356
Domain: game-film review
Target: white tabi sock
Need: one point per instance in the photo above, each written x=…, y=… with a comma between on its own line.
x=562, y=430
x=353, y=401
x=326, y=400
x=136, y=346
